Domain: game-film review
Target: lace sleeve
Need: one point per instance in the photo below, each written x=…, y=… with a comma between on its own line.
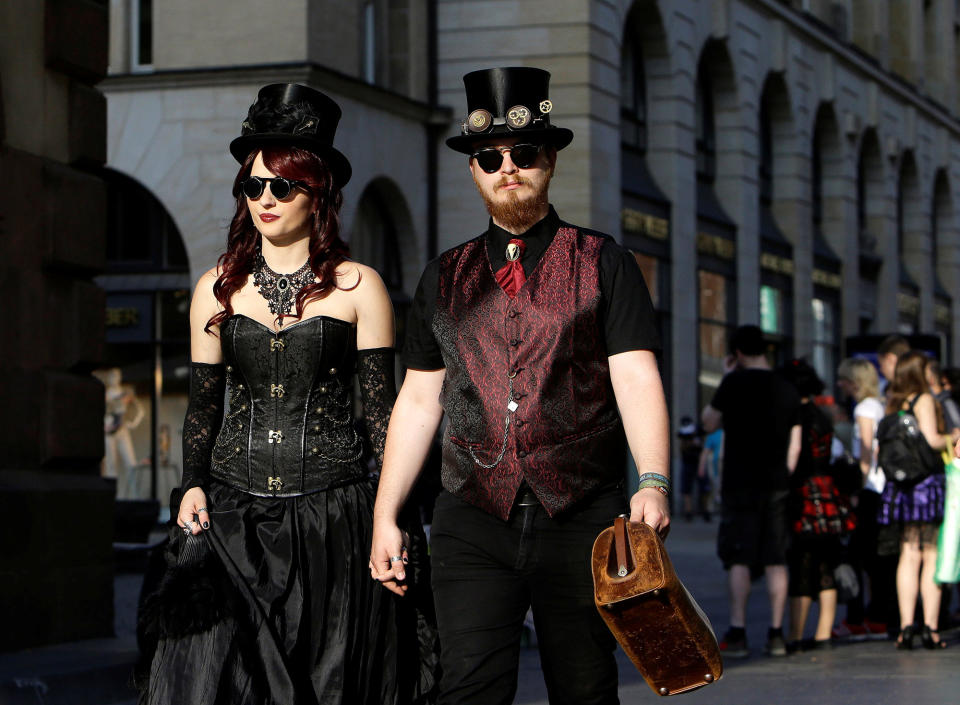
x=378, y=391
x=202, y=422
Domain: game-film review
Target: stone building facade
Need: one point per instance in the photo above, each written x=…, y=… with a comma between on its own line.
x=785, y=162
x=790, y=163
x=56, y=570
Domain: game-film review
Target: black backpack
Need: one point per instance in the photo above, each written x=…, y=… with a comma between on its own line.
x=904, y=454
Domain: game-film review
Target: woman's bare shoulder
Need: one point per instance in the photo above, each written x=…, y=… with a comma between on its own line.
x=203, y=297
x=358, y=277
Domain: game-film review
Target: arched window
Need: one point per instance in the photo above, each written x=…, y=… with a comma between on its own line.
x=908, y=296
x=869, y=199
x=827, y=267
x=633, y=97
x=645, y=210
x=941, y=214
x=776, y=252
x=716, y=232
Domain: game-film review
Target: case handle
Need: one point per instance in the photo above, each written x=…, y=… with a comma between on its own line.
x=621, y=540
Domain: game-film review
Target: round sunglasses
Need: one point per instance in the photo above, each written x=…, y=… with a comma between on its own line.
x=280, y=187
x=490, y=159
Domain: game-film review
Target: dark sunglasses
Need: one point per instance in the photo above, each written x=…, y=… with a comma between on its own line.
x=280, y=187
x=490, y=159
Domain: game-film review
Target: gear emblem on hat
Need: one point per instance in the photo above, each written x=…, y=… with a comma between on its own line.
x=545, y=107
x=518, y=116
x=479, y=120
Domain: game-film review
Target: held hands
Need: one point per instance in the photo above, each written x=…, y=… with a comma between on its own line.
x=388, y=556
x=651, y=507
x=193, y=506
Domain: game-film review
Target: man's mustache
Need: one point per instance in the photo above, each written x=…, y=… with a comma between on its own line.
x=504, y=181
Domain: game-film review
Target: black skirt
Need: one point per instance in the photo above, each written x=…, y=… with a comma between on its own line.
x=275, y=604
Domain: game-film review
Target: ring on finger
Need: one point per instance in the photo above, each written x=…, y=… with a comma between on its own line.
x=394, y=559
x=202, y=509
x=189, y=525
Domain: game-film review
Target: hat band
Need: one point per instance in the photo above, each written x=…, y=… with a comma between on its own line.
x=519, y=117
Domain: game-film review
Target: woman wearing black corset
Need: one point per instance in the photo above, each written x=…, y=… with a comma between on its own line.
x=266, y=598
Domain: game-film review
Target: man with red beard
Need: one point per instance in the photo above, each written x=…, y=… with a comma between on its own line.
x=537, y=339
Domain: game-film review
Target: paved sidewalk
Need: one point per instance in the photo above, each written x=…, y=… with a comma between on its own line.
x=873, y=673
x=97, y=672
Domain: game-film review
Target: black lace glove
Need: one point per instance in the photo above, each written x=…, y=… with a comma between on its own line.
x=202, y=422
x=378, y=390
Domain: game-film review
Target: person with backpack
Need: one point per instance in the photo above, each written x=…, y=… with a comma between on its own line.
x=911, y=505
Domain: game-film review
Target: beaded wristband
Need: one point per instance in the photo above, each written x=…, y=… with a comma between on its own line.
x=655, y=476
x=659, y=488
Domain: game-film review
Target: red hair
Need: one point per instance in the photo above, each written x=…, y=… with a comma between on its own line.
x=327, y=250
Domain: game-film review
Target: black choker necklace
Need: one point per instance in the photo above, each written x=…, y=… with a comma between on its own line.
x=280, y=290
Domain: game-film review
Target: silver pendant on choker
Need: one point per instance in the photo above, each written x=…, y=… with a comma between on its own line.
x=280, y=290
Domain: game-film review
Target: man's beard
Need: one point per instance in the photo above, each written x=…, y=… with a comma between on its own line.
x=513, y=213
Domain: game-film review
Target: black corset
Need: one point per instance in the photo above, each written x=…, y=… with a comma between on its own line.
x=288, y=428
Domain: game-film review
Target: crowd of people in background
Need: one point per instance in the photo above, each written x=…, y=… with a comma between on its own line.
x=837, y=499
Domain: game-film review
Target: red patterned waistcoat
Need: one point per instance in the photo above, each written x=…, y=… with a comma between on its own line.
x=545, y=351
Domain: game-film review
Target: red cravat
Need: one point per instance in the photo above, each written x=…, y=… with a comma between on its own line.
x=510, y=276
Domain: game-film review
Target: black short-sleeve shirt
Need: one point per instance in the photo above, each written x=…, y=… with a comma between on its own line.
x=759, y=408
x=629, y=321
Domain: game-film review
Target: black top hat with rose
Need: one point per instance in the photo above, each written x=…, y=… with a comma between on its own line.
x=294, y=115
x=508, y=102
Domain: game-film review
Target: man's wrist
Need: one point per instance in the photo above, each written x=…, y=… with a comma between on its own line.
x=655, y=481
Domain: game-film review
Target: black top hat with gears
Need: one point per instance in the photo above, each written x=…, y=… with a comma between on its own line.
x=512, y=101
x=294, y=115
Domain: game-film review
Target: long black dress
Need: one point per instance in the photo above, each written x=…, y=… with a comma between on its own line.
x=275, y=604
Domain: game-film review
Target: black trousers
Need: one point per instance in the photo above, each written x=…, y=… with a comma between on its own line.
x=487, y=572
x=881, y=570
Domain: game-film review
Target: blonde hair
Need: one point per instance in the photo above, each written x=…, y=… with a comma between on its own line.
x=863, y=375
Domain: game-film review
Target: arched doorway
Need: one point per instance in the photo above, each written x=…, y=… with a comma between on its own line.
x=147, y=354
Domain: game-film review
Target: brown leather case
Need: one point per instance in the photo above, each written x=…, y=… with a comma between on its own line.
x=650, y=612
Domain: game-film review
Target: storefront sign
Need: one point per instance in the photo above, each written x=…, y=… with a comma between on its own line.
x=908, y=304
x=830, y=280
x=129, y=318
x=775, y=263
x=637, y=223
x=941, y=313
x=716, y=246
